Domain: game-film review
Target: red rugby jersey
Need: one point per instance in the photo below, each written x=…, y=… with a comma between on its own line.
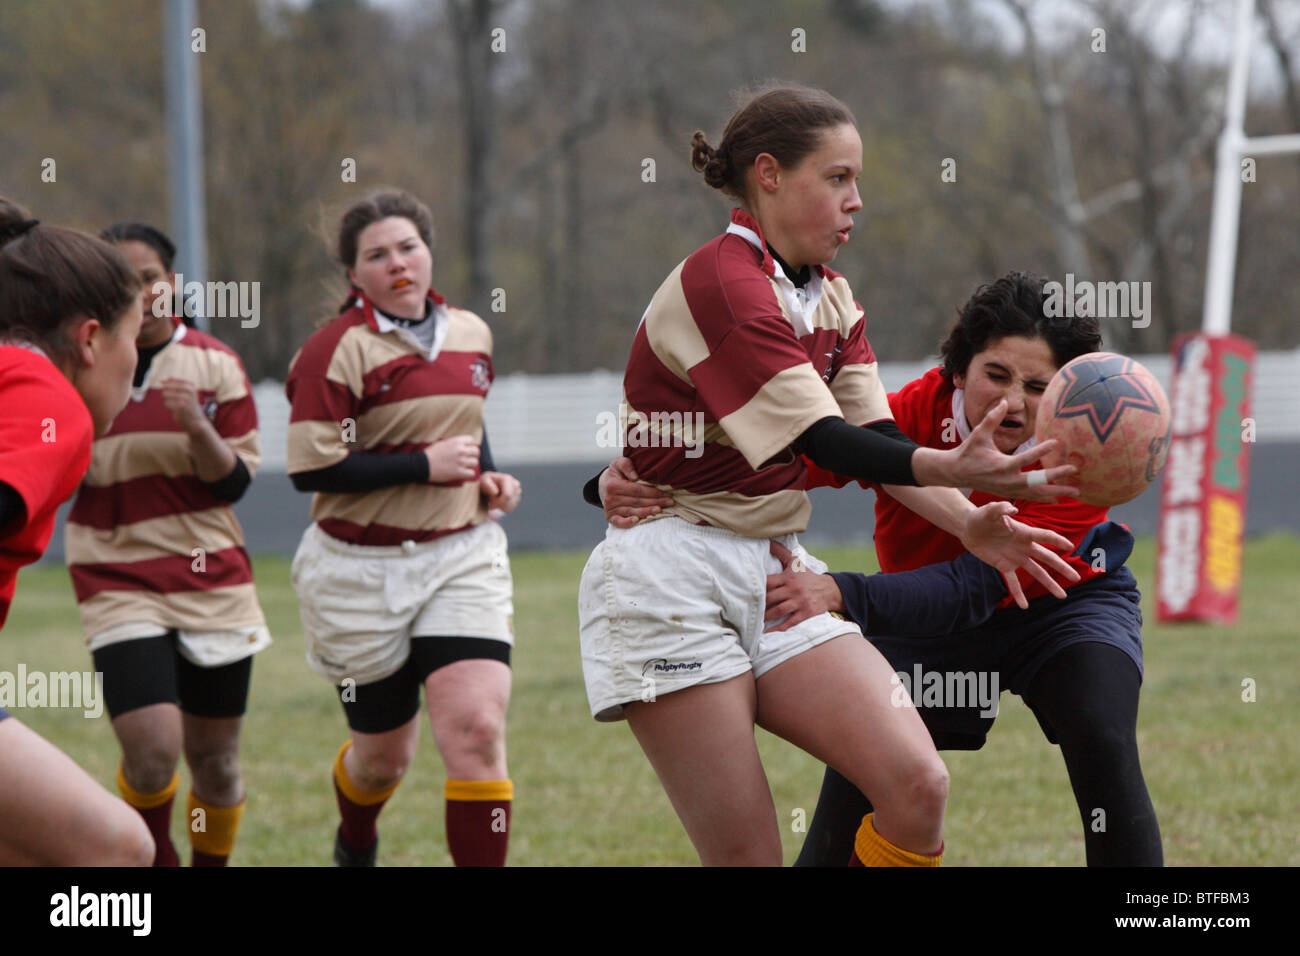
x=730, y=344
x=146, y=540
x=905, y=540
x=45, y=437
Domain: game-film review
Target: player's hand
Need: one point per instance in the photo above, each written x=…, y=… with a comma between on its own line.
x=452, y=460
x=977, y=463
x=626, y=500
x=503, y=491
x=181, y=398
x=798, y=592
x=998, y=540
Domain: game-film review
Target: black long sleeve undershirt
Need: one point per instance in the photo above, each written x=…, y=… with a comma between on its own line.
x=365, y=471
x=879, y=452
x=232, y=487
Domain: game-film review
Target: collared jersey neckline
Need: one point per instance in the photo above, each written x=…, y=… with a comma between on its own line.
x=800, y=300
x=383, y=323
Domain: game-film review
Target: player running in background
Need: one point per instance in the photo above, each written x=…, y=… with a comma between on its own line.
x=1077, y=663
x=767, y=344
x=403, y=580
x=69, y=313
x=163, y=584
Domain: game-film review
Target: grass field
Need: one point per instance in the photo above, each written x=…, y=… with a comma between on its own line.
x=1223, y=773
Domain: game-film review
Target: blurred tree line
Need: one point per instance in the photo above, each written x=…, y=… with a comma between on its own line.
x=550, y=138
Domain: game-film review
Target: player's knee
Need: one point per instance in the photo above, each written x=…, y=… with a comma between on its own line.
x=382, y=769
x=216, y=775
x=924, y=794
x=150, y=768
x=476, y=738
x=123, y=839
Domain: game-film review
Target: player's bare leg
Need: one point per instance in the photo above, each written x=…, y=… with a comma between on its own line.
x=150, y=737
x=212, y=752
x=377, y=762
x=836, y=701
x=700, y=742
x=151, y=745
x=467, y=703
x=52, y=813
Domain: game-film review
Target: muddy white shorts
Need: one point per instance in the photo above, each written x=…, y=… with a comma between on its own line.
x=200, y=648
x=666, y=605
x=361, y=605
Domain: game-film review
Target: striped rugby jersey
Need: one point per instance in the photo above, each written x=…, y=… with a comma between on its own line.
x=730, y=343
x=363, y=384
x=146, y=540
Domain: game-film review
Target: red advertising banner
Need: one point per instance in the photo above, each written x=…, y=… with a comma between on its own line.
x=1203, y=490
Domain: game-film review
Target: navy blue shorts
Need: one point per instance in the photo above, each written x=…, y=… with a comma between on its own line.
x=3, y=713
x=1009, y=648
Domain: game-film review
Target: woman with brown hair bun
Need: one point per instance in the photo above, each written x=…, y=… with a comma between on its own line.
x=69, y=314
x=750, y=352
x=403, y=579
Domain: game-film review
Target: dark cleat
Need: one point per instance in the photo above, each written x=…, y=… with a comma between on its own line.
x=344, y=855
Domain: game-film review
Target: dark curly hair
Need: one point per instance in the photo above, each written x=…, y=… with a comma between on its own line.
x=1013, y=305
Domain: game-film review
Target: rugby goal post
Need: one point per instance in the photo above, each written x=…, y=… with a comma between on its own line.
x=1203, y=495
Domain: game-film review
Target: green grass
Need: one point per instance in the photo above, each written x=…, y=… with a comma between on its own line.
x=1222, y=773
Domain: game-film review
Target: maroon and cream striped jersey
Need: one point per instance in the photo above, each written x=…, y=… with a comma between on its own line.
x=361, y=384
x=730, y=343
x=146, y=540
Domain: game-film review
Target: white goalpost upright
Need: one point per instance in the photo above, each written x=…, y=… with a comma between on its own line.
x=1234, y=146
x=1204, y=492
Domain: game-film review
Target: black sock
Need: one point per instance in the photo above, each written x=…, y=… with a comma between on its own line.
x=840, y=809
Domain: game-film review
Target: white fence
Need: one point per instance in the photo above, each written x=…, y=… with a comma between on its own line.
x=554, y=419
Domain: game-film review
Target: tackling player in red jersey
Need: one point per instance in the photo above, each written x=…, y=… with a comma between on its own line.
x=1077, y=663
x=69, y=314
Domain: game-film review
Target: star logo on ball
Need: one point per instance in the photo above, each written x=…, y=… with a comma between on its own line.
x=1099, y=389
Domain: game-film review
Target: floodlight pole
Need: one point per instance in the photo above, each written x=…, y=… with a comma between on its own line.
x=185, y=154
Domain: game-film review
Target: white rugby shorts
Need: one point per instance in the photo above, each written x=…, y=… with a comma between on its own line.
x=361, y=606
x=665, y=605
x=200, y=648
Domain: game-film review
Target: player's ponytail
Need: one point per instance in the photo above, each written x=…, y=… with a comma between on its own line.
x=713, y=163
x=51, y=276
x=783, y=120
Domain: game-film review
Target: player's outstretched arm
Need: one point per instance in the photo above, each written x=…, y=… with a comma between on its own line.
x=937, y=599
x=992, y=536
x=977, y=463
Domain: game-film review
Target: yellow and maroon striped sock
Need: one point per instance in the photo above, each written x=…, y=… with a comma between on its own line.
x=358, y=808
x=478, y=821
x=156, y=808
x=871, y=849
x=212, y=832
